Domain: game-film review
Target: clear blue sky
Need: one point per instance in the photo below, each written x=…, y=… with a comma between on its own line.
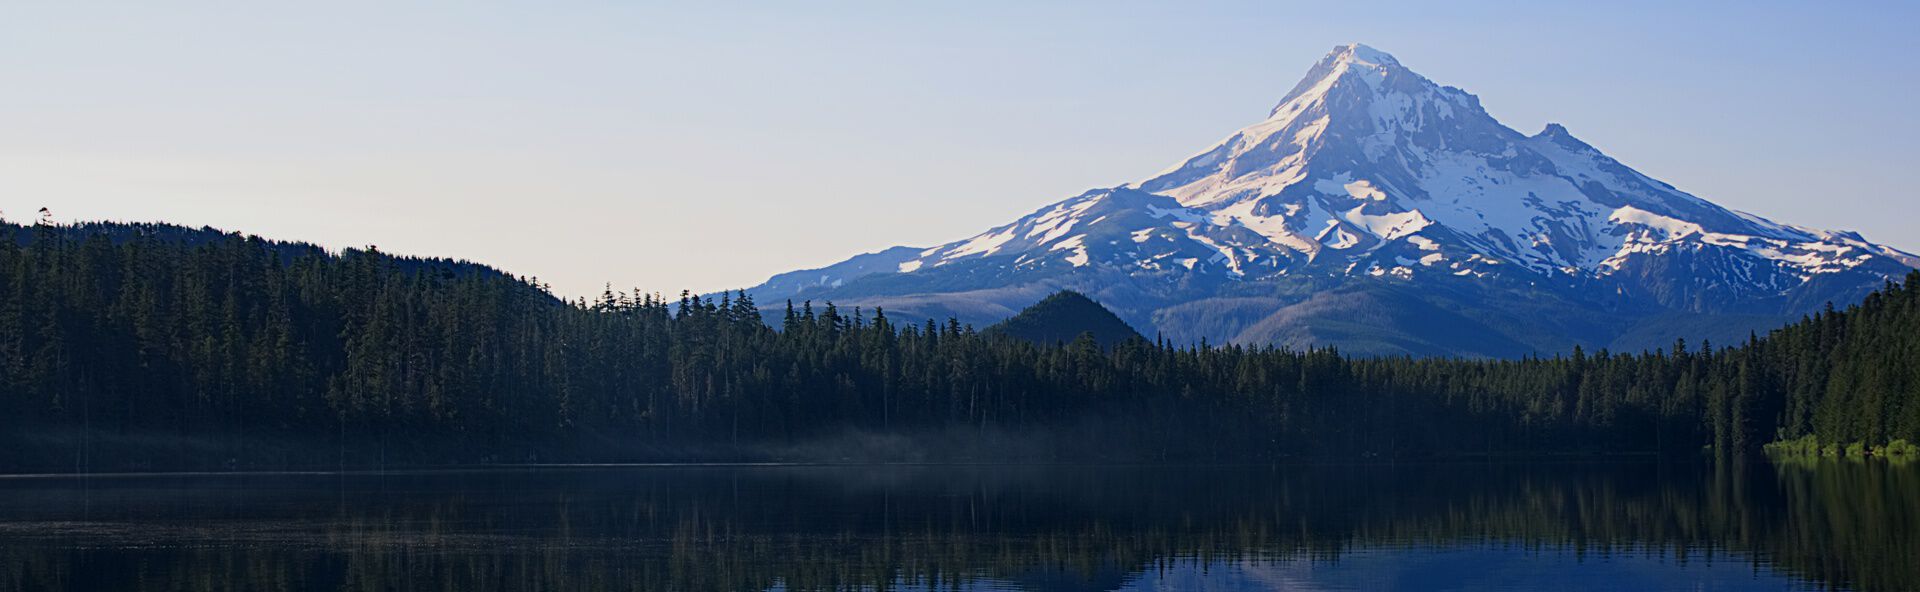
x=693, y=145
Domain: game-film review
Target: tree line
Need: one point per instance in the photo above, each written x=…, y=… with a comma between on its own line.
x=154, y=345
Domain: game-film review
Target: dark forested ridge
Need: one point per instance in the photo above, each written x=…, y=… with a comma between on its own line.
x=127, y=346
x=1064, y=317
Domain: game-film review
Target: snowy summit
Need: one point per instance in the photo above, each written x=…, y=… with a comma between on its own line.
x=1364, y=178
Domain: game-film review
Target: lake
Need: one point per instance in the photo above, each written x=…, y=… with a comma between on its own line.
x=1444, y=526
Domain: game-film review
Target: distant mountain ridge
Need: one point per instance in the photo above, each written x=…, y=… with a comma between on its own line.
x=1376, y=210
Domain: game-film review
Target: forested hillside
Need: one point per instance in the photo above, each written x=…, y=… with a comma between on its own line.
x=154, y=346
x=1063, y=317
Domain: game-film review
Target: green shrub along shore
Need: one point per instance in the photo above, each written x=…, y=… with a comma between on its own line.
x=1810, y=446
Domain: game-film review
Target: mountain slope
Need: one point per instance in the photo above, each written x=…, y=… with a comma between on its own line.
x=1063, y=317
x=1410, y=202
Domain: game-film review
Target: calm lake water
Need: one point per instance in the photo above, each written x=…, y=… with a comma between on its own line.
x=1466, y=526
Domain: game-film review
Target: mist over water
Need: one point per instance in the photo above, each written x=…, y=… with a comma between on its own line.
x=1447, y=526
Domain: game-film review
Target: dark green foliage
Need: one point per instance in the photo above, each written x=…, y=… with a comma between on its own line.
x=1062, y=318
x=157, y=346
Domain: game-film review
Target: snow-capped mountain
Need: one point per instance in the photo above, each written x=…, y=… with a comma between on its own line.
x=1368, y=194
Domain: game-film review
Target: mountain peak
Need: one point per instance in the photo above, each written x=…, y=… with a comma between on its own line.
x=1343, y=61
x=1361, y=54
x=1368, y=175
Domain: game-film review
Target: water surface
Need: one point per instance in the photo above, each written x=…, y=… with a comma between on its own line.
x=1463, y=526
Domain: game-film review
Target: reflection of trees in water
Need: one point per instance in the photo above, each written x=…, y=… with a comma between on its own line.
x=1849, y=521
x=824, y=528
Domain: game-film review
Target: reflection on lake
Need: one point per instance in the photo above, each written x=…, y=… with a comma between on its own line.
x=1467, y=526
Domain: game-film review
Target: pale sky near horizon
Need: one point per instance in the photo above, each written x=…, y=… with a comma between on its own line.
x=701, y=146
